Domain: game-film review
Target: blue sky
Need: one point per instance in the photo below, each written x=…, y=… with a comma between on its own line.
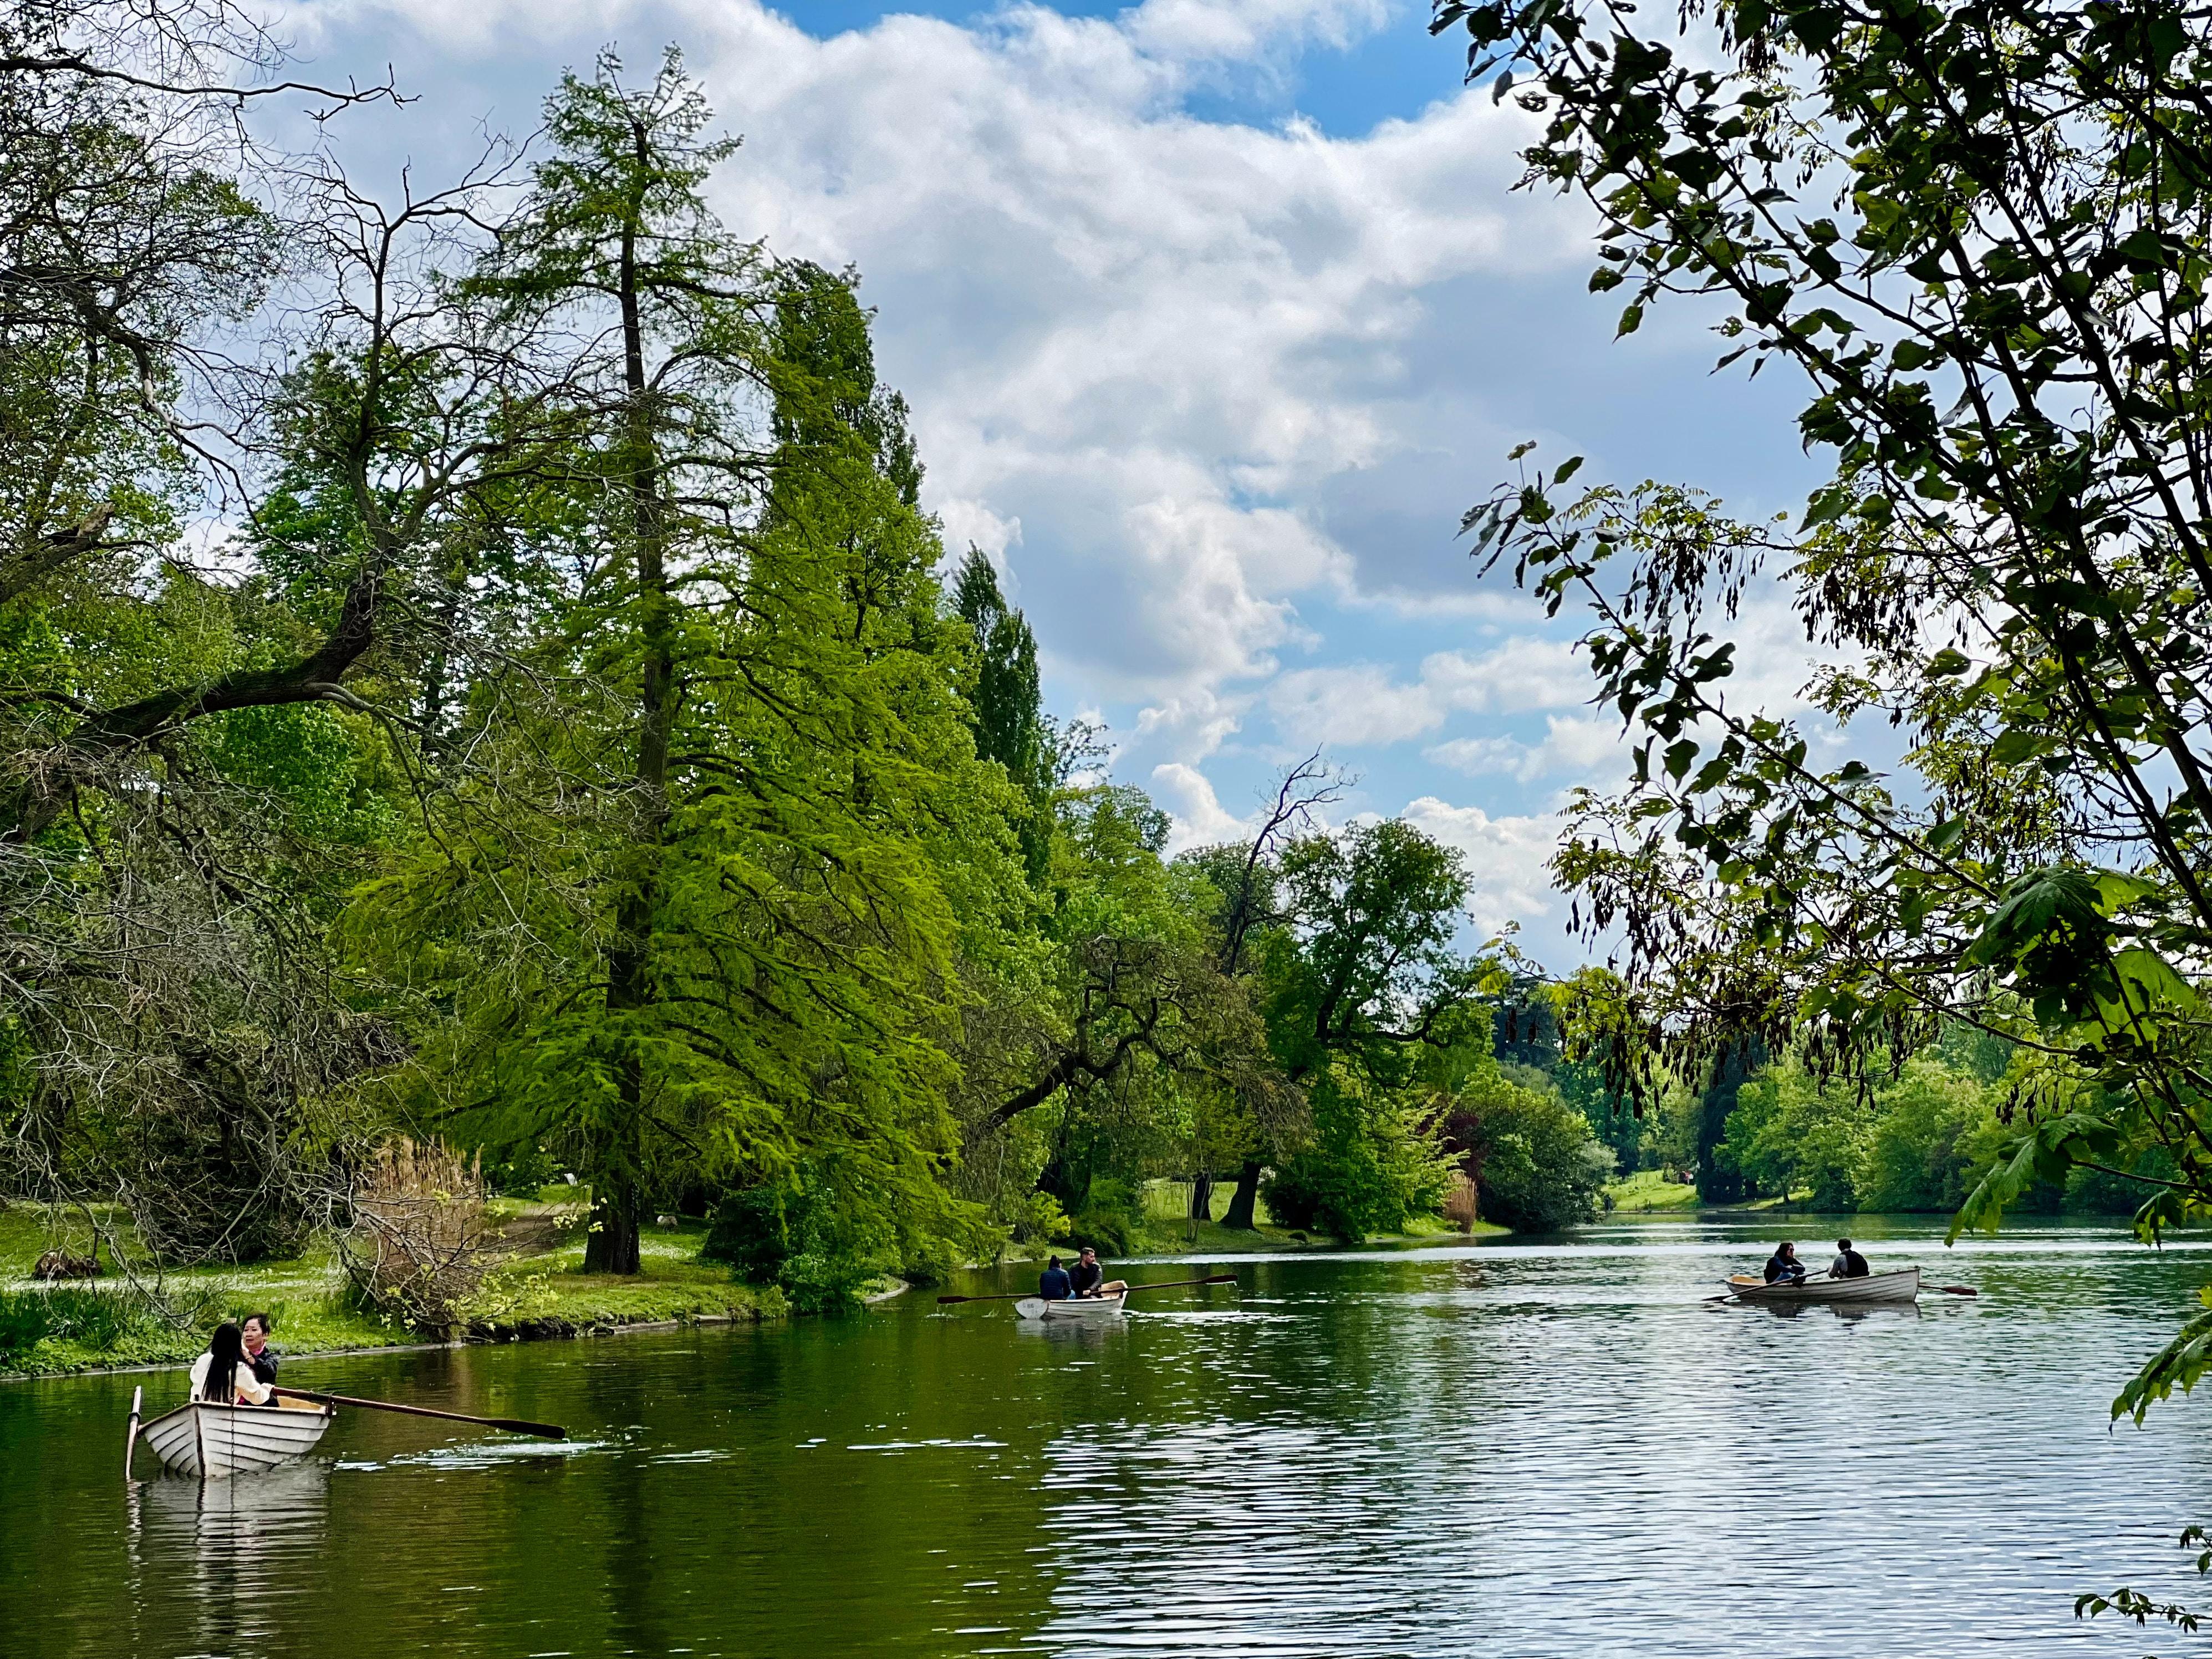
x=1214, y=315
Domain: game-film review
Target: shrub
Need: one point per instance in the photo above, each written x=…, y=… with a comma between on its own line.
x=1536, y=1165
x=1371, y=1167
x=25, y=1319
x=792, y=1233
x=98, y=1320
x=419, y=1247
x=1111, y=1216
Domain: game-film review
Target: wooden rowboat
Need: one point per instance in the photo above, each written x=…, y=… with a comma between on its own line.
x=1079, y=1307
x=1902, y=1286
x=207, y=1439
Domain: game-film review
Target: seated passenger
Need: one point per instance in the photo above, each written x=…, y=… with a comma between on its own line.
x=1848, y=1263
x=1783, y=1267
x=223, y=1374
x=1053, y=1284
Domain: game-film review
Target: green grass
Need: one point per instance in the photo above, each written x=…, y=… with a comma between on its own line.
x=105, y=1324
x=1168, y=1229
x=1647, y=1190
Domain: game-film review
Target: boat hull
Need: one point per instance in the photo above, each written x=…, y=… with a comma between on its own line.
x=213, y=1441
x=1902, y=1286
x=1092, y=1308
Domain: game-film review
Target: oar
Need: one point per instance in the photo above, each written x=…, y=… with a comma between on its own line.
x=1952, y=1290
x=511, y=1425
x=1164, y=1285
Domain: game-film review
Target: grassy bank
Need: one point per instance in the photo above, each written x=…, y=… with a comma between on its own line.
x=54, y=1330
x=1167, y=1229
x=1647, y=1190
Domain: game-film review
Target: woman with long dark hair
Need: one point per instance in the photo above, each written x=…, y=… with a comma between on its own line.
x=223, y=1374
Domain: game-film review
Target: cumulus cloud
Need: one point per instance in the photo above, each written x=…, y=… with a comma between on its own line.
x=1361, y=703
x=1200, y=389
x=1505, y=857
x=1577, y=748
x=1144, y=340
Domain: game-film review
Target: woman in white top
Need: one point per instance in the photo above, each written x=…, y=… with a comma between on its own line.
x=226, y=1357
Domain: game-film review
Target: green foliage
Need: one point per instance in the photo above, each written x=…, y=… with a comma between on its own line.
x=1981, y=241
x=1371, y=1167
x=1111, y=1216
x=1536, y=1164
x=796, y=1234
x=94, y=1319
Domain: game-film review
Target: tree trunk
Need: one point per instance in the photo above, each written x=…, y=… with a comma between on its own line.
x=1201, y=1197
x=611, y=1245
x=1247, y=1197
x=630, y=990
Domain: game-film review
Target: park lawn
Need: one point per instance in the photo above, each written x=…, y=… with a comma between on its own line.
x=544, y=1294
x=1168, y=1229
x=1647, y=1190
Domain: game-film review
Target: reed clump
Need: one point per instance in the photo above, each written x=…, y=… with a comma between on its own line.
x=419, y=1246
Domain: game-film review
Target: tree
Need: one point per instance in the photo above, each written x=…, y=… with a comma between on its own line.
x=1979, y=234
x=1365, y=965
x=1009, y=719
x=692, y=906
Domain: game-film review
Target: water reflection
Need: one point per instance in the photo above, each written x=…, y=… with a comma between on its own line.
x=1546, y=1447
x=233, y=1553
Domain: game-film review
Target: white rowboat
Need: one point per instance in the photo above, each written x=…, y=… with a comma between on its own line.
x=207, y=1439
x=1079, y=1307
x=1902, y=1286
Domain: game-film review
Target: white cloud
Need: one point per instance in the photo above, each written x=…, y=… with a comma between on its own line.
x=1505, y=857
x=1577, y=748
x=1355, y=705
x=1521, y=674
x=1201, y=818
x=1143, y=338
x=1361, y=703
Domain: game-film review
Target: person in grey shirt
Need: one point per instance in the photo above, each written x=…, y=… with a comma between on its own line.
x=1848, y=1263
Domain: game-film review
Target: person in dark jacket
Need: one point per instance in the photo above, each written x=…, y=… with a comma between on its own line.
x=1090, y=1278
x=1054, y=1283
x=258, y=1353
x=1783, y=1267
x=1848, y=1263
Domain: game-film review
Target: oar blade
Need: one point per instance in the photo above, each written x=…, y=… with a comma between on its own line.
x=516, y=1426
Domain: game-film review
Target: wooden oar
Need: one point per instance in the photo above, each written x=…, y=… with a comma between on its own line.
x=1164, y=1285
x=1952, y=1290
x=511, y=1425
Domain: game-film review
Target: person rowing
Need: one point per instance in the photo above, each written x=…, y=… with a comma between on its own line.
x=1848, y=1263
x=254, y=1335
x=1090, y=1279
x=224, y=1375
x=1783, y=1267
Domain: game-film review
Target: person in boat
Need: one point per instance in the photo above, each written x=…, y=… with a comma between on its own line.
x=1783, y=1267
x=1053, y=1284
x=1090, y=1278
x=1848, y=1263
x=254, y=1332
x=222, y=1374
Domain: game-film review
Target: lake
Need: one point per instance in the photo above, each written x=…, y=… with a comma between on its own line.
x=1514, y=1449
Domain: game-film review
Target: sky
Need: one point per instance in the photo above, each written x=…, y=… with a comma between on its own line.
x=1214, y=316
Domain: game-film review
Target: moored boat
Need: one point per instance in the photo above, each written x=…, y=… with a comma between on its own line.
x=1080, y=1306
x=207, y=1439
x=1900, y=1285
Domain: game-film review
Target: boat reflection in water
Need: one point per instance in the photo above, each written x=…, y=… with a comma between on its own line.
x=233, y=1550
x=1849, y=1312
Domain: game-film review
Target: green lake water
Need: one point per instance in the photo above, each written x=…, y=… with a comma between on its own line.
x=1518, y=1448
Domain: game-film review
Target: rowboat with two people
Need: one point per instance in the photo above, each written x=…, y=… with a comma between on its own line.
x=1848, y=1279
x=235, y=1424
x=1085, y=1295
x=1901, y=1285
